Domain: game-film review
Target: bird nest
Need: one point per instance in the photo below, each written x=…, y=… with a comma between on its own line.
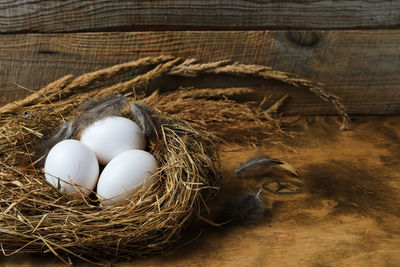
x=37, y=218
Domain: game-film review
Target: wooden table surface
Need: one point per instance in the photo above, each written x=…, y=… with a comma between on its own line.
x=348, y=216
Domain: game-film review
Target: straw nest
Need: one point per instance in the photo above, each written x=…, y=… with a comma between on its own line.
x=37, y=218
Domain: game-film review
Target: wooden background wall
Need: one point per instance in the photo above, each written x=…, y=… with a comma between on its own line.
x=351, y=45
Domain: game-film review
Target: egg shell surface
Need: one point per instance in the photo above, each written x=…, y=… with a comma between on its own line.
x=110, y=136
x=70, y=162
x=125, y=175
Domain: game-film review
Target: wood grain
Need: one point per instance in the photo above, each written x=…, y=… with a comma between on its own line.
x=76, y=16
x=361, y=67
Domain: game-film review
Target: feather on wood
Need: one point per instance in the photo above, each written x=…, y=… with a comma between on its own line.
x=259, y=166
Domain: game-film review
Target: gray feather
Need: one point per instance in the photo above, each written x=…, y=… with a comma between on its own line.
x=256, y=167
x=64, y=132
x=249, y=209
x=96, y=109
x=148, y=119
x=92, y=111
x=113, y=102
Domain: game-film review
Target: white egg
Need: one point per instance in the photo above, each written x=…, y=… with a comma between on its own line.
x=111, y=136
x=125, y=175
x=70, y=166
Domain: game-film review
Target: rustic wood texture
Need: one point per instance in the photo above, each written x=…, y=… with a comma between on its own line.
x=74, y=15
x=361, y=67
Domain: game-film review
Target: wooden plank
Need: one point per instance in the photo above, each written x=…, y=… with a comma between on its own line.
x=75, y=15
x=361, y=67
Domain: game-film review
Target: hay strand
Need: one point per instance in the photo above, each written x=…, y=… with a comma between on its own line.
x=89, y=79
x=187, y=68
x=238, y=69
x=33, y=98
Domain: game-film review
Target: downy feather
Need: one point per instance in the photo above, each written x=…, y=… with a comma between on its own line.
x=63, y=132
x=249, y=209
x=96, y=109
x=148, y=119
x=259, y=166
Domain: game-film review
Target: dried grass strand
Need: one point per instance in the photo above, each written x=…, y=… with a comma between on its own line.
x=33, y=98
x=265, y=72
x=174, y=66
x=91, y=78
